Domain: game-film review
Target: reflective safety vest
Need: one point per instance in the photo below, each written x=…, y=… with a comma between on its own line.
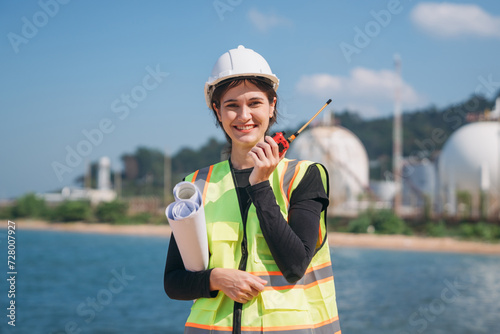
x=307, y=306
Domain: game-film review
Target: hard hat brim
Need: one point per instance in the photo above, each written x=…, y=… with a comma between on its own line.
x=210, y=87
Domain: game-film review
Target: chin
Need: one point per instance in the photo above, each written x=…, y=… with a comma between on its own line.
x=250, y=142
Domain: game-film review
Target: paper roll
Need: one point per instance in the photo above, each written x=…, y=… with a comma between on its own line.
x=186, y=216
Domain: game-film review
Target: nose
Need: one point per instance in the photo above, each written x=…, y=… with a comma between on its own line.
x=244, y=114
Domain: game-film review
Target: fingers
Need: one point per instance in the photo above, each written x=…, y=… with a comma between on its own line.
x=266, y=152
x=261, y=155
x=245, y=298
x=265, y=156
x=238, y=285
x=274, y=146
x=250, y=287
x=257, y=284
x=272, y=149
x=254, y=287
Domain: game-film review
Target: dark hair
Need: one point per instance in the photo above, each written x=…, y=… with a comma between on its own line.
x=262, y=83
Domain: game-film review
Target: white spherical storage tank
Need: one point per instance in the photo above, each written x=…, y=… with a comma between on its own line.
x=343, y=155
x=470, y=162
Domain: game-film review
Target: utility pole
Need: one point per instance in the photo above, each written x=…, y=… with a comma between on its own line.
x=397, y=138
x=118, y=183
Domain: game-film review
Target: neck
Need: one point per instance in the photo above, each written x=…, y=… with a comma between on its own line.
x=240, y=158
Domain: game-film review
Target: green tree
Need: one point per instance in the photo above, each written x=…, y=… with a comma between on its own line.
x=436, y=229
x=150, y=164
x=188, y=160
x=480, y=230
x=73, y=211
x=29, y=205
x=383, y=222
x=149, y=173
x=111, y=212
x=359, y=224
x=386, y=222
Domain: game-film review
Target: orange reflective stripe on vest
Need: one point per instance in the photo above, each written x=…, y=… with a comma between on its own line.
x=313, y=275
x=287, y=178
x=330, y=326
x=201, y=178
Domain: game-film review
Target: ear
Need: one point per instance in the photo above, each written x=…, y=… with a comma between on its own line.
x=217, y=111
x=272, y=107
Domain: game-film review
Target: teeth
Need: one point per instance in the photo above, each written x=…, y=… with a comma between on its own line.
x=245, y=127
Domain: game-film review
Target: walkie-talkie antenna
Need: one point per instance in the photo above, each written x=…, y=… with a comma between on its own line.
x=292, y=137
x=284, y=143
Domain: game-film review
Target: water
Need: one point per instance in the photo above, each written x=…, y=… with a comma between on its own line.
x=90, y=283
x=411, y=292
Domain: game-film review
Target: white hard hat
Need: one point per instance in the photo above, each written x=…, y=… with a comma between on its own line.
x=240, y=62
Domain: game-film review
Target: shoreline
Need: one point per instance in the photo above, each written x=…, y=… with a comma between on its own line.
x=335, y=239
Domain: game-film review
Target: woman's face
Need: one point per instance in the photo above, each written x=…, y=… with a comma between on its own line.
x=244, y=113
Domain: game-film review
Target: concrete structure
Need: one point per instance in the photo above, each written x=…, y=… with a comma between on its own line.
x=345, y=158
x=104, y=174
x=384, y=191
x=419, y=184
x=469, y=168
x=495, y=113
x=103, y=193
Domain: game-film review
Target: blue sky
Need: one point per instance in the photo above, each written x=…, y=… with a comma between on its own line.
x=84, y=79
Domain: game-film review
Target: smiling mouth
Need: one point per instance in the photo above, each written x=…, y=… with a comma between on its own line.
x=245, y=127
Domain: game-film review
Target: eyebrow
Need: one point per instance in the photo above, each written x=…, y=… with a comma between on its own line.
x=251, y=99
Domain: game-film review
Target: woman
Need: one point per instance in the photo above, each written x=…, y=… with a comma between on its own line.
x=269, y=268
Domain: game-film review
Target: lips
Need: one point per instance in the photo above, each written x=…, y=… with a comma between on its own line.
x=245, y=127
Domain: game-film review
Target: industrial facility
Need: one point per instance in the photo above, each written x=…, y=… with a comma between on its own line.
x=462, y=180
x=103, y=193
x=346, y=160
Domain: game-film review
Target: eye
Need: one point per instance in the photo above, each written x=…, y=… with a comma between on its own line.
x=255, y=103
x=231, y=105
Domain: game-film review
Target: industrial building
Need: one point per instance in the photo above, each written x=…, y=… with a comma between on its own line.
x=463, y=180
x=103, y=193
x=346, y=160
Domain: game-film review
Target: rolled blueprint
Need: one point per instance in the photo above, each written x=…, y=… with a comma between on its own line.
x=186, y=216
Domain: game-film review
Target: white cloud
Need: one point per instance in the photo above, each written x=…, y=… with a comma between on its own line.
x=453, y=20
x=264, y=22
x=367, y=91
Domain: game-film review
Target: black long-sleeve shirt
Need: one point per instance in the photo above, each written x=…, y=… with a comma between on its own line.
x=292, y=244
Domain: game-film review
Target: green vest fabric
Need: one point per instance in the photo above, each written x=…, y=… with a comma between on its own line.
x=307, y=306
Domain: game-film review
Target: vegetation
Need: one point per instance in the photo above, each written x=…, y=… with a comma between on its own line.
x=385, y=222
x=370, y=221
x=380, y=222
x=111, y=212
x=479, y=231
x=360, y=224
x=437, y=229
x=145, y=174
x=188, y=160
x=70, y=211
x=115, y=212
x=29, y=206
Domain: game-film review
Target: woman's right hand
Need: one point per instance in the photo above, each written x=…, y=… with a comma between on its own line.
x=266, y=156
x=238, y=285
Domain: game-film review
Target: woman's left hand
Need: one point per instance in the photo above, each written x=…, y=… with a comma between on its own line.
x=266, y=157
